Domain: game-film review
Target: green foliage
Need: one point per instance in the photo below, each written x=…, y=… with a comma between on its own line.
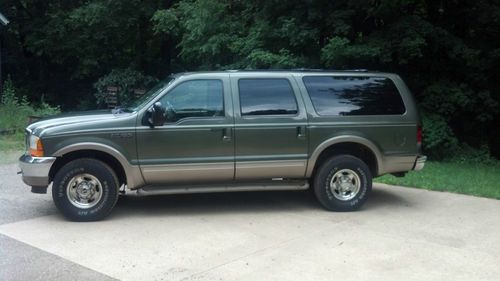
x=44, y=109
x=237, y=34
x=91, y=36
x=465, y=154
x=450, y=100
x=445, y=50
x=127, y=80
x=338, y=53
x=15, y=111
x=264, y=59
x=438, y=138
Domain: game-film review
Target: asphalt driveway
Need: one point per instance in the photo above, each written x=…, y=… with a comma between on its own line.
x=400, y=234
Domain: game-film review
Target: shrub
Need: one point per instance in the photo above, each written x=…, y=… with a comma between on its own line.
x=466, y=154
x=44, y=109
x=439, y=140
x=15, y=111
x=440, y=143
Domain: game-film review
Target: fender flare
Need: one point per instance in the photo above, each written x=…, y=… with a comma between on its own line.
x=132, y=173
x=343, y=139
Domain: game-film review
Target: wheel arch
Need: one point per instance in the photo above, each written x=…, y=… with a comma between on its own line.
x=351, y=145
x=126, y=173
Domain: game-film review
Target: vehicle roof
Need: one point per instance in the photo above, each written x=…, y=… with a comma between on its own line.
x=291, y=71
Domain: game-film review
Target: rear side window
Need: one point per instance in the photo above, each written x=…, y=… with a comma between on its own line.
x=266, y=97
x=354, y=95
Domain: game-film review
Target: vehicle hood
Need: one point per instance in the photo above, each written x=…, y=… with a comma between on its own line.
x=80, y=118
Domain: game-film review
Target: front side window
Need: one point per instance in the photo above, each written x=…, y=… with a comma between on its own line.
x=195, y=98
x=149, y=95
x=266, y=97
x=354, y=95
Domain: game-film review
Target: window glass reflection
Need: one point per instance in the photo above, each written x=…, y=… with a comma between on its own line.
x=266, y=97
x=354, y=95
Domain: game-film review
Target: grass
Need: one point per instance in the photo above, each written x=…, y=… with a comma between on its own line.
x=11, y=147
x=12, y=142
x=472, y=179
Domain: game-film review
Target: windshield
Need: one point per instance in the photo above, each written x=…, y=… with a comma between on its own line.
x=149, y=95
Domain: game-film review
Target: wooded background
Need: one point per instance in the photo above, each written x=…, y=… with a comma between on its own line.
x=67, y=52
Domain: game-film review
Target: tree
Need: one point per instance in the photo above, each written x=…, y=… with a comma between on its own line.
x=447, y=51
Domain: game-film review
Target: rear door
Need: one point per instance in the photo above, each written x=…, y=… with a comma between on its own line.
x=270, y=126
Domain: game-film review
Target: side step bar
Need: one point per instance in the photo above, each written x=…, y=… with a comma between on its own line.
x=157, y=190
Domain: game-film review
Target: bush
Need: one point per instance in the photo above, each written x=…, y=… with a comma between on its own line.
x=438, y=138
x=465, y=154
x=440, y=143
x=15, y=111
x=44, y=109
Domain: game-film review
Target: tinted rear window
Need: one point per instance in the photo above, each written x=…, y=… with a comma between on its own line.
x=266, y=97
x=354, y=95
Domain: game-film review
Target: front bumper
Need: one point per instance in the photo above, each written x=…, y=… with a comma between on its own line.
x=419, y=163
x=35, y=170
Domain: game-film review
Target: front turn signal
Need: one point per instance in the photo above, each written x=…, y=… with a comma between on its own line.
x=36, y=147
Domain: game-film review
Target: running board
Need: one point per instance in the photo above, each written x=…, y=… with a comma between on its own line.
x=157, y=190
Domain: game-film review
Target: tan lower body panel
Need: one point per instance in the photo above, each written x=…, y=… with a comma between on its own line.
x=270, y=169
x=393, y=164
x=184, y=173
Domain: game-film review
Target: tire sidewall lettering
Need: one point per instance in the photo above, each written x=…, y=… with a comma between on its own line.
x=61, y=188
x=108, y=186
x=328, y=191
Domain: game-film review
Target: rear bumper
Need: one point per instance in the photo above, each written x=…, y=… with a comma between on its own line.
x=419, y=163
x=35, y=170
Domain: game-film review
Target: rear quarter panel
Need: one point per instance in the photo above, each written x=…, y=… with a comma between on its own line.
x=393, y=135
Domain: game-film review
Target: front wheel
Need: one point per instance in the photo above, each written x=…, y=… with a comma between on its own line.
x=343, y=183
x=85, y=190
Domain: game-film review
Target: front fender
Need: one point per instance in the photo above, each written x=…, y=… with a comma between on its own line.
x=132, y=172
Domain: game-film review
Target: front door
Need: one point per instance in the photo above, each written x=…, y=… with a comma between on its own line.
x=270, y=127
x=196, y=143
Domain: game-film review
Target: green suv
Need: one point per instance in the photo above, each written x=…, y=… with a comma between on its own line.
x=332, y=131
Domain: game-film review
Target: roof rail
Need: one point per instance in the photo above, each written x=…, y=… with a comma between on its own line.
x=360, y=70
x=329, y=70
x=299, y=69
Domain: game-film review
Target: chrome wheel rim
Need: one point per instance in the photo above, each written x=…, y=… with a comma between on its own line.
x=84, y=191
x=345, y=184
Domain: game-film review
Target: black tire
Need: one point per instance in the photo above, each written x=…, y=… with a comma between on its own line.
x=339, y=169
x=89, y=171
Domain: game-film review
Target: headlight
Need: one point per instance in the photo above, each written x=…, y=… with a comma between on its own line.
x=36, y=147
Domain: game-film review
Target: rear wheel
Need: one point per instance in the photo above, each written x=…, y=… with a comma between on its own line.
x=343, y=183
x=85, y=190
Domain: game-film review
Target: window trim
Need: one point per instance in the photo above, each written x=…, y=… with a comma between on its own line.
x=360, y=115
x=198, y=117
x=252, y=116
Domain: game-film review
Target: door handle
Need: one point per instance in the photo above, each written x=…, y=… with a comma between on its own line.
x=301, y=132
x=227, y=134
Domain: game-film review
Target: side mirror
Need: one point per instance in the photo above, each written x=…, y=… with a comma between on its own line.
x=156, y=115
